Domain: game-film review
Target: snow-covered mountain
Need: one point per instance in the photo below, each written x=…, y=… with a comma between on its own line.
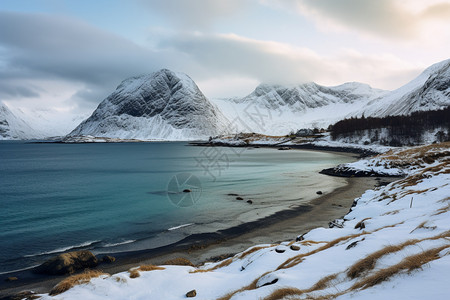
x=13, y=127
x=162, y=105
x=275, y=109
x=429, y=91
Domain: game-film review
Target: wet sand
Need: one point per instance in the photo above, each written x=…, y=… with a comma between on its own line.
x=282, y=226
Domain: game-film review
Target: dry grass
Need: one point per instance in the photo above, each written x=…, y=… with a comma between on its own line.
x=442, y=210
x=422, y=226
x=283, y=293
x=289, y=291
x=179, y=261
x=368, y=263
x=249, y=287
x=134, y=273
x=416, y=156
x=360, y=223
x=74, y=280
x=394, y=212
x=250, y=251
x=409, y=264
x=224, y=263
x=293, y=261
x=150, y=268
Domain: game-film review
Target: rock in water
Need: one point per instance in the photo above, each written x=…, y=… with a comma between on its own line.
x=68, y=263
x=162, y=105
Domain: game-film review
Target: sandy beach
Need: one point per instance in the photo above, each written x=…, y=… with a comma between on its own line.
x=282, y=226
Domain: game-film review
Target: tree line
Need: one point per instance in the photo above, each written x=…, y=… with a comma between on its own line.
x=402, y=130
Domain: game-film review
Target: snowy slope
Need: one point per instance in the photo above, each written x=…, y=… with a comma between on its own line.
x=13, y=127
x=429, y=91
x=276, y=110
x=393, y=244
x=162, y=105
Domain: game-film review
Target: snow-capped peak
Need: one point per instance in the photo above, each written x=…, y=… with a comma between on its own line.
x=160, y=105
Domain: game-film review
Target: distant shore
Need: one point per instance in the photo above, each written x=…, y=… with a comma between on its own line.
x=281, y=226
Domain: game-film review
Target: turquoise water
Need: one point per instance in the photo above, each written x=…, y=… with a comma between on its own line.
x=113, y=197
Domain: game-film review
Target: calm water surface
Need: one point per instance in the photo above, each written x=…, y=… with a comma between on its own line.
x=113, y=197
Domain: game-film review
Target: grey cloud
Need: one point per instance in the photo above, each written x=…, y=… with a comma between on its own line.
x=39, y=46
x=12, y=90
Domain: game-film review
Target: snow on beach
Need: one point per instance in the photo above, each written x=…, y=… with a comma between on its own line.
x=393, y=244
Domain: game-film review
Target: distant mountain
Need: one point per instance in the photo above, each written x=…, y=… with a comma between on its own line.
x=162, y=105
x=307, y=96
x=15, y=128
x=275, y=109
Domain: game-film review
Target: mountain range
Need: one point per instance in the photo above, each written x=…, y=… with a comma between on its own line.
x=167, y=105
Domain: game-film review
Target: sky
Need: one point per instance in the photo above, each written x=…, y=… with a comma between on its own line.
x=66, y=56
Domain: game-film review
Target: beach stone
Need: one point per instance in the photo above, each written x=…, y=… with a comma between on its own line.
x=280, y=249
x=191, y=294
x=300, y=238
x=239, y=198
x=68, y=263
x=108, y=259
x=12, y=278
x=319, y=193
x=295, y=248
x=187, y=191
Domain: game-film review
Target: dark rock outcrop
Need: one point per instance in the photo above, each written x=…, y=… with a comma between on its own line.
x=68, y=263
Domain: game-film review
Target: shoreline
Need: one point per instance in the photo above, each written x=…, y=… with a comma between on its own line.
x=200, y=248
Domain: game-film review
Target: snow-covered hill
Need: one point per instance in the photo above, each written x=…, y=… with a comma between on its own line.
x=13, y=127
x=162, y=105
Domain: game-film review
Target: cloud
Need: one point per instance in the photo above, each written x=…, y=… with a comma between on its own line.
x=78, y=65
x=16, y=90
x=392, y=19
x=47, y=47
x=438, y=11
x=195, y=14
x=273, y=62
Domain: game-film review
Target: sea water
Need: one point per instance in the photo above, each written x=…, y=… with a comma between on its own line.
x=115, y=197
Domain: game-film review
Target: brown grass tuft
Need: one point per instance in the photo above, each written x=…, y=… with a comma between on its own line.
x=293, y=261
x=150, y=268
x=179, y=261
x=324, y=282
x=74, y=280
x=409, y=264
x=283, y=293
x=368, y=263
x=134, y=273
